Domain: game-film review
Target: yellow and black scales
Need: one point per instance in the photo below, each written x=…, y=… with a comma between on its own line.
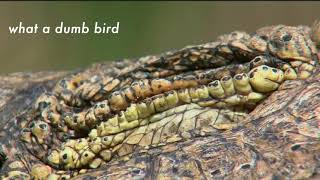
x=88, y=121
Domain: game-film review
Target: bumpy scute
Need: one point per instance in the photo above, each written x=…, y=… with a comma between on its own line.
x=157, y=103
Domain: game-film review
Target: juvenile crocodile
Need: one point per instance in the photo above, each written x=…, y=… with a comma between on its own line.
x=244, y=106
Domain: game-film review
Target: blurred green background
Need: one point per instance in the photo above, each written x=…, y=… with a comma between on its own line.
x=145, y=28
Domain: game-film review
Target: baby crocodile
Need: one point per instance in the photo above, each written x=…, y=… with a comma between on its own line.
x=243, y=106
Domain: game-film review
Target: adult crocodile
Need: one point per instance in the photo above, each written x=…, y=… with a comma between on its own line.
x=243, y=107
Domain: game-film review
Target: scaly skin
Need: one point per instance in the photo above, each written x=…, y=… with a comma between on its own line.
x=196, y=106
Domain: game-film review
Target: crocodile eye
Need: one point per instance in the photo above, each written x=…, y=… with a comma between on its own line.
x=274, y=70
x=286, y=37
x=102, y=105
x=265, y=68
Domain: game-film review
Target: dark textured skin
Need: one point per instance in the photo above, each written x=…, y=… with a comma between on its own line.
x=279, y=139
x=17, y=93
x=15, y=88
